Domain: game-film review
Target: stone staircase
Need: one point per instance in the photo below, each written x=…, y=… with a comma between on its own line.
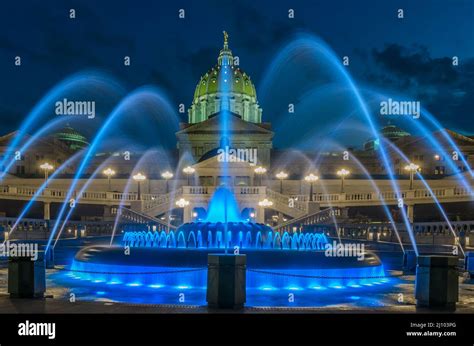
x=322, y=217
x=129, y=215
x=282, y=203
x=160, y=204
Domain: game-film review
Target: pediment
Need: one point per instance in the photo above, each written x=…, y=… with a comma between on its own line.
x=214, y=162
x=236, y=125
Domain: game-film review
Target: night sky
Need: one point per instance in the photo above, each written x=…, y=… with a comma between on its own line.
x=410, y=56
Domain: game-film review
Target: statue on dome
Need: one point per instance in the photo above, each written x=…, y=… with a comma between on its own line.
x=226, y=37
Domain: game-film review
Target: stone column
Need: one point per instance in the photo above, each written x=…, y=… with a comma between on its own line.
x=108, y=213
x=313, y=207
x=411, y=212
x=260, y=215
x=187, y=214
x=47, y=211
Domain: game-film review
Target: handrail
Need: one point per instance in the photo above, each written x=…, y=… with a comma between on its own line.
x=154, y=200
x=138, y=217
x=318, y=216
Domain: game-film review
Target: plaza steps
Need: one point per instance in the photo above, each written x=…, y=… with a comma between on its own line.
x=281, y=203
x=325, y=217
x=160, y=205
x=134, y=216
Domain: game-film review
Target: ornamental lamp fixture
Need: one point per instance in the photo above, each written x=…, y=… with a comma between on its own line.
x=139, y=177
x=343, y=173
x=265, y=203
x=182, y=203
x=311, y=178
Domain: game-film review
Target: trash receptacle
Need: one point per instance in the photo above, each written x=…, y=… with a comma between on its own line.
x=226, y=281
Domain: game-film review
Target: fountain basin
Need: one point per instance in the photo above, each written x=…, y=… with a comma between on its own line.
x=267, y=269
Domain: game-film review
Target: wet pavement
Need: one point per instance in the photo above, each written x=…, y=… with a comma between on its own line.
x=396, y=297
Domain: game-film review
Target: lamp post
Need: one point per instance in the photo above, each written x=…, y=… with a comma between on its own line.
x=412, y=168
x=260, y=170
x=109, y=172
x=281, y=176
x=343, y=173
x=46, y=167
x=139, y=177
x=189, y=171
x=167, y=176
x=311, y=178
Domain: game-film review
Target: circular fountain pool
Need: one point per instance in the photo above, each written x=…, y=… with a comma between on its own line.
x=274, y=269
x=177, y=260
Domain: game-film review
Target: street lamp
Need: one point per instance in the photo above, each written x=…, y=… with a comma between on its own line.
x=311, y=178
x=46, y=167
x=281, y=176
x=412, y=168
x=139, y=177
x=343, y=173
x=167, y=176
x=189, y=171
x=260, y=171
x=109, y=172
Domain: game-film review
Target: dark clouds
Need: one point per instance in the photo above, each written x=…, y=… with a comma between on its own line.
x=416, y=66
x=174, y=53
x=446, y=90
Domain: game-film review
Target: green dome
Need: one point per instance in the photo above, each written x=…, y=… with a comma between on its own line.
x=73, y=139
x=225, y=86
x=393, y=132
x=214, y=82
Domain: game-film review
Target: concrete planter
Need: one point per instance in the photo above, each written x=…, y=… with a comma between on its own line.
x=437, y=284
x=26, y=278
x=226, y=281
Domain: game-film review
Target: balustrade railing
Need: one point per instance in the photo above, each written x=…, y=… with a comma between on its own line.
x=141, y=218
x=287, y=201
x=299, y=202
x=325, y=216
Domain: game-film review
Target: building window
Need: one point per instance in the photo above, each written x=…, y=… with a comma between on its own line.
x=439, y=170
x=224, y=180
x=242, y=181
x=418, y=158
x=206, y=181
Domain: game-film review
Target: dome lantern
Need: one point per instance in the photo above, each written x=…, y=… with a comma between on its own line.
x=225, y=55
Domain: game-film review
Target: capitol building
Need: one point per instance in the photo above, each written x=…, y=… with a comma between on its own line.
x=276, y=175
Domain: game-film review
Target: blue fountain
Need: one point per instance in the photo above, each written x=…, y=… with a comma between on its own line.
x=179, y=258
